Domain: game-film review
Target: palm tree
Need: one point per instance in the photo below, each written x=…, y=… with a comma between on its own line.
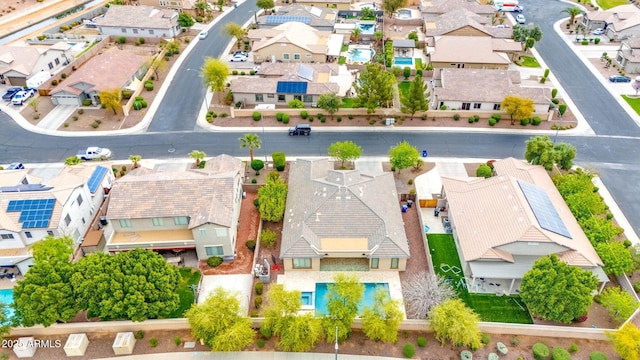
x=378, y=35
x=202, y=7
x=355, y=34
x=236, y=31
x=573, y=12
x=135, y=159
x=197, y=155
x=252, y=141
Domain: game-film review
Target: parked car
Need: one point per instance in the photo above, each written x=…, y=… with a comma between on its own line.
x=94, y=153
x=11, y=92
x=520, y=19
x=22, y=96
x=15, y=166
x=300, y=129
x=243, y=53
x=518, y=8
x=598, y=31
x=238, y=58
x=203, y=35
x=619, y=78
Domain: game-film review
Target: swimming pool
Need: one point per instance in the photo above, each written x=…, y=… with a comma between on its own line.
x=403, y=61
x=6, y=297
x=361, y=55
x=367, y=299
x=403, y=14
x=367, y=29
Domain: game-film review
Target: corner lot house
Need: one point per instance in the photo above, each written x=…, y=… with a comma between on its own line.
x=114, y=69
x=19, y=64
x=139, y=21
x=31, y=209
x=628, y=55
x=620, y=22
x=342, y=220
x=503, y=224
x=193, y=209
x=481, y=52
x=463, y=22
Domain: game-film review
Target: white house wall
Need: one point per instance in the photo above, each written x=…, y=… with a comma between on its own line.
x=138, y=33
x=80, y=215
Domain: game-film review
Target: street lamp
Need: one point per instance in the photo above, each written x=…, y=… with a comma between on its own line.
x=336, y=343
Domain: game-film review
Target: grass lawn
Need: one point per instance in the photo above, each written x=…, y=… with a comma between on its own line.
x=634, y=102
x=529, y=61
x=508, y=309
x=342, y=60
x=419, y=64
x=404, y=88
x=188, y=277
x=608, y=4
x=348, y=103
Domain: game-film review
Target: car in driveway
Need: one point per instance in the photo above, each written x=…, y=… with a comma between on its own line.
x=598, y=31
x=11, y=92
x=203, y=35
x=238, y=58
x=520, y=19
x=243, y=53
x=619, y=78
x=22, y=96
x=15, y=166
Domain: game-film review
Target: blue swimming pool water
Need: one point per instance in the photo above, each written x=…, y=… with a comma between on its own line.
x=306, y=297
x=367, y=299
x=6, y=297
x=403, y=61
x=361, y=55
x=367, y=29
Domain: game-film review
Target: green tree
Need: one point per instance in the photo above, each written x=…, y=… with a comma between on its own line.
x=172, y=46
x=521, y=33
x=584, y=205
x=344, y=151
x=626, y=341
x=415, y=99
x=302, y=334
x=251, y=141
x=218, y=323
x=135, y=285
x=374, y=87
x=518, y=108
x=265, y=4
x=391, y=6
x=157, y=63
x=343, y=297
x=403, y=156
x=272, y=199
x=380, y=322
x=573, y=11
x=453, y=320
x=33, y=103
x=202, y=7
x=599, y=229
x=257, y=165
x=529, y=43
x=197, y=155
x=45, y=295
x=553, y=290
x=5, y=326
x=484, y=171
x=215, y=73
x=330, y=103
x=617, y=259
x=620, y=303
x=135, y=160
x=378, y=35
x=564, y=155
x=539, y=151
x=110, y=99
x=574, y=182
x=234, y=30
x=185, y=20
x=355, y=34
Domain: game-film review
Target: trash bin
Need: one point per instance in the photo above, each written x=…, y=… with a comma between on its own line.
x=436, y=212
x=404, y=208
x=235, y=6
x=409, y=203
x=424, y=153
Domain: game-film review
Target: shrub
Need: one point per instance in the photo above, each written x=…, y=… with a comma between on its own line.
x=304, y=114
x=585, y=42
x=139, y=335
x=559, y=353
x=54, y=82
x=555, y=101
x=546, y=72
x=279, y=160
x=254, y=181
x=535, y=121
x=252, y=72
x=543, y=80
x=406, y=72
x=259, y=288
x=268, y=238
x=484, y=171
x=456, y=117
x=424, y=117
x=260, y=343
x=626, y=242
x=224, y=115
x=153, y=342
x=410, y=182
x=285, y=118
x=126, y=94
x=636, y=286
x=95, y=124
x=251, y=245
x=214, y=261
x=573, y=348
x=177, y=340
x=525, y=121
x=422, y=342
x=234, y=72
x=242, y=73
x=492, y=122
x=86, y=102
x=257, y=302
x=443, y=107
x=496, y=117
x=596, y=40
x=148, y=85
x=471, y=120
x=408, y=351
x=554, y=92
x=122, y=40
x=350, y=117
x=372, y=122
x=597, y=355
x=484, y=337
x=279, y=116
x=515, y=341
x=254, y=313
x=310, y=118
x=339, y=118
x=540, y=351
x=266, y=332
x=296, y=104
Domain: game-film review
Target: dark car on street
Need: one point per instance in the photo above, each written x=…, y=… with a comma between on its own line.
x=619, y=78
x=10, y=92
x=300, y=129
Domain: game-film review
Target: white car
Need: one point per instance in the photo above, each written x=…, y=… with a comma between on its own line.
x=520, y=19
x=238, y=57
x=203, y=35
x=598, y=31
x=22, y=96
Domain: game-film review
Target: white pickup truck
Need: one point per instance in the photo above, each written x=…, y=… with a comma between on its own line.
x=94, y=153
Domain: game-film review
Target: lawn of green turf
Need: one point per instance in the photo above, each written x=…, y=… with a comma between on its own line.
x=348, y=103
x=188, y=277
x=404, y=88
x=508, y=309
x=529, y=61
x=634, y=102
x=608, y=4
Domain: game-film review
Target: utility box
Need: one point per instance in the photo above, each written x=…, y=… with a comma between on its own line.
x=389, y=121
x=76, y=345
x=124, y=343
x=25, y=347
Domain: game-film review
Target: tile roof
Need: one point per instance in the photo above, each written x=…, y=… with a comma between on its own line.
x=21, y=59
x=272, y=73
x=295, y=33
x=478, y=49
x=444, y=6
x=204, y=195
x=492, y=213
x=326, y=17
x=141, y=16
x=323, y=203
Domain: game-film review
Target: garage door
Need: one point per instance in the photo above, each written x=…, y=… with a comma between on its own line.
x=65, y=100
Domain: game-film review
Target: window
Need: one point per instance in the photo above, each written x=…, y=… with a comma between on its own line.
x=259, y=97
x=476, y=105
x=302, y=263
x=123, y=30
x=76, y=235
x=308, y=55
x=296, y=56
x=466, y=106
x=496, y=106
x=281, y=98
x=57, y=61
x=67, y=219
x=213, y=250
x=181, y=220
x=50, y=66
x=135, y=31
x=374, y=263
x=203, y=232
x=270, y=96
x=28, y=234
x=83, y=221
x=157, y=221
x=307, y=98
x=441, y=104
x=286, y=56
x=221, y=232
x=79, y=200
x=49, y=232
x=151, y=32
x=6, y=236
x=125, y=223
x=297, y=97
x=394, y=263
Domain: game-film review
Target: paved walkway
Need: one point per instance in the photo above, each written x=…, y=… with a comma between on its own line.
x=56, y=117
x=250, y=355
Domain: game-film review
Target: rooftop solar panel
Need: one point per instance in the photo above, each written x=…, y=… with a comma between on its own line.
x=305, y=72
x=96, y=178
x=34, y=213
x=281, y=19
x=291, y=87
x=543, y=209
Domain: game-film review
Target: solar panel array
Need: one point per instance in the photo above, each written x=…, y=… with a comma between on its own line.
x=96, y=178
x=281, y=19
x=34, y=213
x=543, y=209
x=305, y=72
x=291, y=87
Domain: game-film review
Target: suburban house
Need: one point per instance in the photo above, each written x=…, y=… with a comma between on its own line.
x=280, y=83
x=503, y=224
x=319, y=18
x=430, y=8
x=113, y=69
x=292, y=42
x=342, y=219
x=620, y=22
x=32, y=209
x=450, y=88
x=32, y=65
x=192, y=209
x=185, y=6
x=480, y=52
x=463, y=22
x=138, y=21
x=332, y=4
x=628, y=55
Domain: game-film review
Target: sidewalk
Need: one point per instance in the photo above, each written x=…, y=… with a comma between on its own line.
x=250, y=355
